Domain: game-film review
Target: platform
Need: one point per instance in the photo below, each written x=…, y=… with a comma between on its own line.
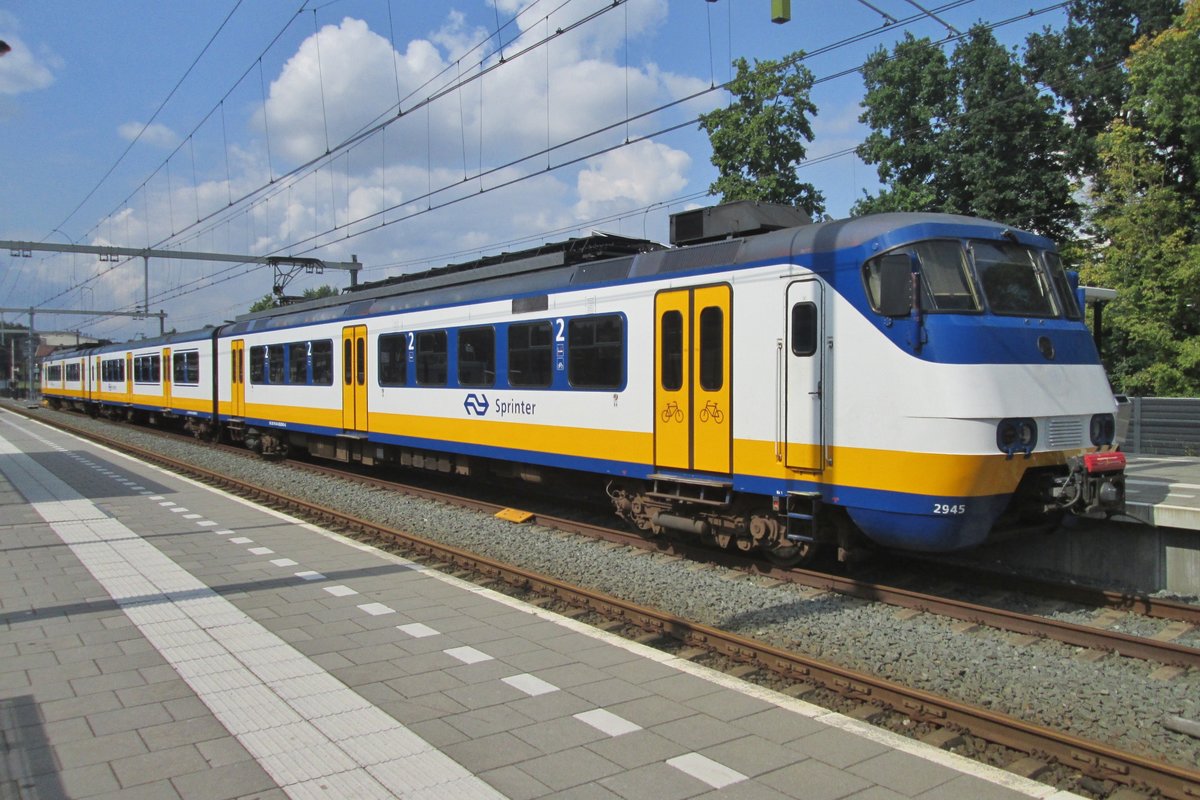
x=1164, y=491
x=162, y=639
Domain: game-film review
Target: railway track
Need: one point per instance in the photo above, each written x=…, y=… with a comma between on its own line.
x=1076, y=635
x=1096, y=759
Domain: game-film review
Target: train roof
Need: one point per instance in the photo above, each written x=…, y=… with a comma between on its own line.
x=168, y=339
x=603, y=258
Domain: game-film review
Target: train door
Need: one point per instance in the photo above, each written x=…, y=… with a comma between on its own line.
x=129, y=377
x=237, y=378
x=95, y=375
x=165, y=371
x=804, y=370
x=693, y=420
x=354, y=378
x=85, y=379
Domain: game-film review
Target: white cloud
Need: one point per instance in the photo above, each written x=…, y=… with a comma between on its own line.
x=413, y=196
x=156, y=134
x=321, y=98
x=632, y=176
x=21, y=70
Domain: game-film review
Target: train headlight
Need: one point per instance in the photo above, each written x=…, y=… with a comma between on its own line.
x=1103, y=429
x=1016, y=435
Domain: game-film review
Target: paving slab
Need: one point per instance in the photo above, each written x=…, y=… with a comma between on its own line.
x=162, y=639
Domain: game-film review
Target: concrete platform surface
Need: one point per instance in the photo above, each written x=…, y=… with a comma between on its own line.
x=161, y=639
x=1164, y=491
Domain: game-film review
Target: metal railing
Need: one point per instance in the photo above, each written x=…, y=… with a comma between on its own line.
x=1164, y=426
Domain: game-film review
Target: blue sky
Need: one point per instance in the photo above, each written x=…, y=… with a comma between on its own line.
x=203, y=125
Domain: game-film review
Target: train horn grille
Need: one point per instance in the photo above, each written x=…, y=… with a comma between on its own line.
x=1064, y=433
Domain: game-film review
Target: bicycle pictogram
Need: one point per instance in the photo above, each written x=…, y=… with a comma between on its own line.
x=672, y=410
x=711, y=410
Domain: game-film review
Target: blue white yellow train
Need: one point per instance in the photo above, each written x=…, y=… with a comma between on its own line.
x=916, y=380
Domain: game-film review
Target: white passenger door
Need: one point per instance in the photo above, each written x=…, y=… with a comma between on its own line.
x=805, y=388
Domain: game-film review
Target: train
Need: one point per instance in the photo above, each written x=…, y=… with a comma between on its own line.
x=907, y=381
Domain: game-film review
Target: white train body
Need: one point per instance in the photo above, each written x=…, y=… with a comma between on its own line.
x=925, y=377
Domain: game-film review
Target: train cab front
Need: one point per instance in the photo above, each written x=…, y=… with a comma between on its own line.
x=1094, y=485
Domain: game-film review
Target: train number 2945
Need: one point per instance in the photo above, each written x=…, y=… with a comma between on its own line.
x=949, y=508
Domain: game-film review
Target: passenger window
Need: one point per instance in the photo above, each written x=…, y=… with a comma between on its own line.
x=298, y=362
x=804, y=329
x=431, y=358
x=393, y=360
x=530, y=355
x=275, y=363
x=712, y=349
x=477, y=357
x=347, y=362
x=671, y=330
x=258, y=364
x=322, y=362
x=185, y=367
x=596, y=352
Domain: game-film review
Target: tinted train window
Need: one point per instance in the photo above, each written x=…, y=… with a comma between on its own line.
x=712, y=349
x=596, y=352
x=393, y=359
x=298, y=362
x=147, y=369
x=431, y=358
x=476, y=357
x=1054, y=264
x=54, y=373
x=804, y=329
x=185, y=367
x=275, y=363
x=258, y=364
x=530, y=354
x=671, y=328
x=72, y=372
x=1014, y=279
x=946, y=283
x=322, y=362
x=113, y=370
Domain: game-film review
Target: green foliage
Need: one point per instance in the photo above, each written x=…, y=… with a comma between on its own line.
x=1147, y=216
x=263, y=303
x=758, y=141
x=965, y=135
x=910, y=96
x=268, y=301
x=325, y=290
x=1083, y=65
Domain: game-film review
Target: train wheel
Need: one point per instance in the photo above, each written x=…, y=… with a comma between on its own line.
x=792, y=555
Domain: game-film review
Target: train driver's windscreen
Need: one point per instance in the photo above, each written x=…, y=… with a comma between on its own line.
x=1005, y=277
x=945, y=277
x=1015, y=280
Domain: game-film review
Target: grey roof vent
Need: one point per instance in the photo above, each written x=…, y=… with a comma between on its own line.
x=739, y=218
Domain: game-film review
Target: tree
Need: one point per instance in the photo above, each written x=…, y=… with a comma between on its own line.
x=758, y=140
x=909, y=100
x=1083, y=65
x=1147, y=218
x=268, y=301
x=965, y=135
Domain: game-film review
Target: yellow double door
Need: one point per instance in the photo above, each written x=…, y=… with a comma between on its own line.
x=693, y=414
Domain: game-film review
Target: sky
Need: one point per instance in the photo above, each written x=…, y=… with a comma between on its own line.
x=406, y=133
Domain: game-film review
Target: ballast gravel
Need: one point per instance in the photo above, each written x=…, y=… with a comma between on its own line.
x=1118, y=701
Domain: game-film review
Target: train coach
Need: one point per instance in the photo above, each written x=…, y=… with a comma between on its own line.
x=921, y=381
